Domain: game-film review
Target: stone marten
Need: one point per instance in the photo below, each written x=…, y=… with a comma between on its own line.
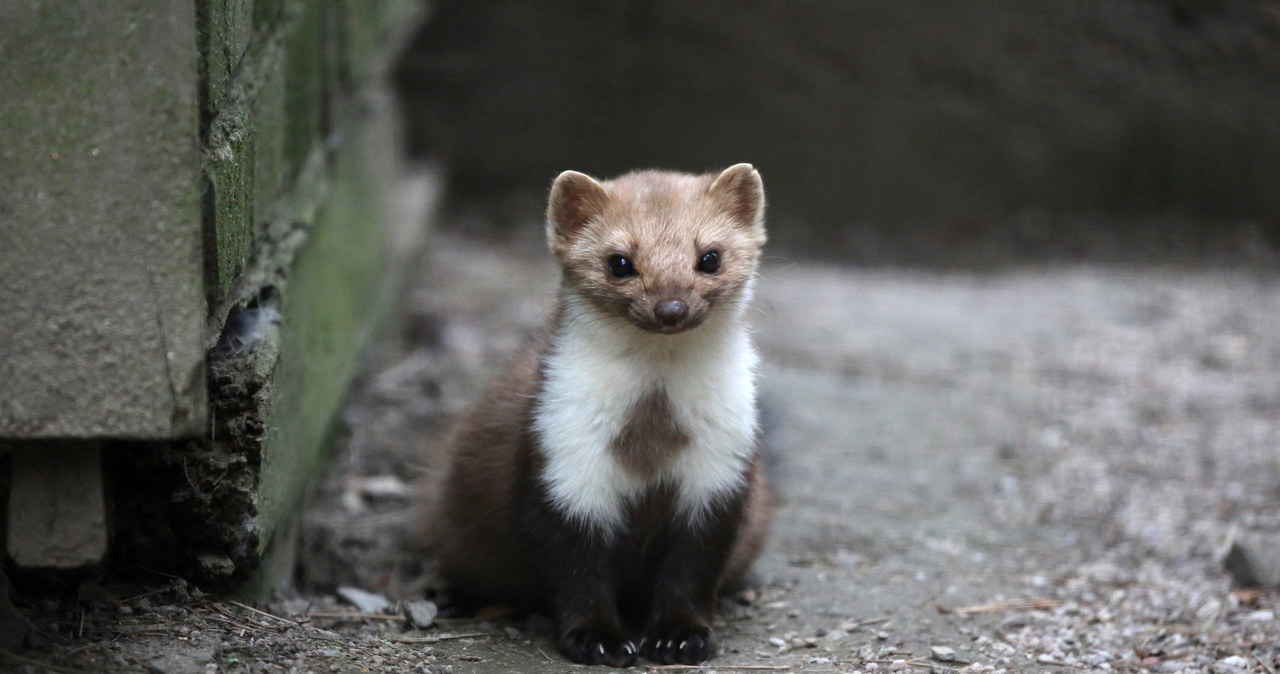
x=612, y=476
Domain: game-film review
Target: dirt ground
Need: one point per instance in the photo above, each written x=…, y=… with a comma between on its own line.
x=1035, y=469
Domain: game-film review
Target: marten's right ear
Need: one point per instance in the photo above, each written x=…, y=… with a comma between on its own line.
x=576, y=198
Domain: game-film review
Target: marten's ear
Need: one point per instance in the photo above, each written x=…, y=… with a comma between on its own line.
x=740, y=192
x=576, y=198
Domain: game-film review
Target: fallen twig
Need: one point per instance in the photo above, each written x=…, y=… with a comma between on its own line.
x=432, y=640
x=926, y=663
x=1033, y=603
x=356, y=615
x=218, y=617
x=1263, y=663
x=264, y=613
x=1251, y=595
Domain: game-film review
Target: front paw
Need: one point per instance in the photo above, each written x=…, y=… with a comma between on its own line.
x=690, y=644
x=598, y=647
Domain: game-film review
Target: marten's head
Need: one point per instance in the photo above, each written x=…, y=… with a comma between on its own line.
x=665, y=250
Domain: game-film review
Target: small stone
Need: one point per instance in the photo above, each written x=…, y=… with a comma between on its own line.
x=1265, y=615
x=216, y=566
x=421, y=613
x=748, y=596
x=367, y=602
x=511, y=632
x=882, y=635
x=1234, y=661
x=777, y=642
x=943, y=654
x=797, y=642
x=899, y=666
x=1251, y=561
x=1209, y=609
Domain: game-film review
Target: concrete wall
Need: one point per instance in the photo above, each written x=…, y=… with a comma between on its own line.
x=212, y=200
x=102, y=308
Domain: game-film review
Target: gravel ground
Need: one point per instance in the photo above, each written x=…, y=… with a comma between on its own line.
x=1031, y=470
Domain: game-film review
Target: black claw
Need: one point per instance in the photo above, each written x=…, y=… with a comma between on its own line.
x=587, y=647
x=688, y=645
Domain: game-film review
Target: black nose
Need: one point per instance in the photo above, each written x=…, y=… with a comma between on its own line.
x=671, y=312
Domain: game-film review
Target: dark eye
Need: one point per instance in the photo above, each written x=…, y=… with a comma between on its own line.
x=709, y=263
x=621, y=266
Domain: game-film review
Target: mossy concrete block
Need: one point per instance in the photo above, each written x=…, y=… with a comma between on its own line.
x=224, y=29
x=305, y=82
x=246, y=166
x=267, y=14
x=337, y=293
x=368, y=29
x=228, y=171
x=101, y=300
x=332, y=260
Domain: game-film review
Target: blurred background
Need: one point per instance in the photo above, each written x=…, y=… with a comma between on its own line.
x=1019, y=316
x=921, y=132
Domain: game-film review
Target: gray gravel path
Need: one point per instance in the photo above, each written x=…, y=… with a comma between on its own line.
x=1028, y=470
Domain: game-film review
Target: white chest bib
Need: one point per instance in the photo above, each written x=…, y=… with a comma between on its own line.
x=599, y=369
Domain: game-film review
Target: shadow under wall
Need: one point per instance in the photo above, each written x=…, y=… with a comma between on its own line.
x=886, y=131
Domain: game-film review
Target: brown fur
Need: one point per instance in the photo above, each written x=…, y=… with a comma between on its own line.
x=650, y=437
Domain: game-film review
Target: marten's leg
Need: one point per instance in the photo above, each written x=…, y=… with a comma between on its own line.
x=581, y=579
x=688, y=568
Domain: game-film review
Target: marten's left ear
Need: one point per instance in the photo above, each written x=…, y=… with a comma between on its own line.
x=575, y=199
x=740, y=191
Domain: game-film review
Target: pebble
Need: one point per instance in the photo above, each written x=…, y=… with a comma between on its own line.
x=778, y=642
x=1234, y=661
x=421, y=613
x=1252, y=561
x=943, y=654
x=899, y=666
x=367, y=602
